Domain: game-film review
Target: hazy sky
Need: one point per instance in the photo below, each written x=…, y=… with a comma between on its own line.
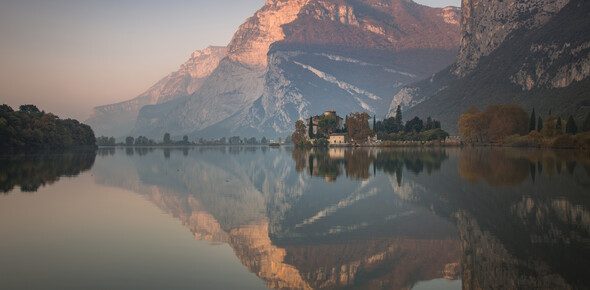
x=67, y=56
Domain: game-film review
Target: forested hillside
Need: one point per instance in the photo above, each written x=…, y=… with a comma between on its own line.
x=31, y=129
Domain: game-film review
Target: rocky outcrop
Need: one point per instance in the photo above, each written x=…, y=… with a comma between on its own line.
x=251, y=42
x=486, y=24
x=532, y=53
x=118, y=119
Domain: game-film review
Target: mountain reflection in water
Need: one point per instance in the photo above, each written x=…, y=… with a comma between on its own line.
x=370, y=219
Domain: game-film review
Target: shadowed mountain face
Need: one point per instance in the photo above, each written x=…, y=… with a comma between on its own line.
x=118, y=119
x=378, y=218
x=295, y=58
x=531, y=53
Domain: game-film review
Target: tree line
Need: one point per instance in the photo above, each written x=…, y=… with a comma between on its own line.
x=357, y=129
x=167, y=141
x=29, y=128
x=415, y=129
x=512, y=125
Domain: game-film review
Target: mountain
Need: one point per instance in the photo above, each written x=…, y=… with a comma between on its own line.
x=532, y=53
x=296, y=58
x=118, y=119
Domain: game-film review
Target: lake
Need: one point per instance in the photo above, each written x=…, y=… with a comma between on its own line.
x=260, y=217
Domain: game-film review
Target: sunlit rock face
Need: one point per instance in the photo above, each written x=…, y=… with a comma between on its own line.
x=293, y=58
x=395, y=263
x=118, y=119
x=251, y=42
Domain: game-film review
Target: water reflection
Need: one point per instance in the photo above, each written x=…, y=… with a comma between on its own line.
x=297, y=231
x=30, y=172
x=370, y=219
x=356, y=163
x=512, y=167
x=494, y=218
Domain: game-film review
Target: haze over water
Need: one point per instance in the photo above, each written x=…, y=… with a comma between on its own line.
x=257, y=217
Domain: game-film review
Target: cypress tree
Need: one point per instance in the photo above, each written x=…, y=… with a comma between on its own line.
x=398, y=119
x=558, y=126
x=532, y=124
x=539, y=124
x=586, y=125
x=570, y=126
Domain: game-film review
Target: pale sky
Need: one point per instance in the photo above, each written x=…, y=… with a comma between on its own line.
x=67, y=56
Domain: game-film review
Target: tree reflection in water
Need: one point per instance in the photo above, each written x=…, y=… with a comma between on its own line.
x=511, y=167
x=30, y=172
x=356, y=163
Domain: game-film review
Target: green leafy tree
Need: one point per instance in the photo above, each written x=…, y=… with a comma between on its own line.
x=415, y=125
x=29, y=109
x=129, y=140
x=185, y=139
x=167, y=138
x=327, y=125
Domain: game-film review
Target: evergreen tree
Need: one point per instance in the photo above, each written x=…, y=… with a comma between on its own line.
x=429, y=124
x=532, y=124
x=374, y=122
x=570, y=126
x=398, y=116
x=539, y=124
x=586, y=124
x=558, y=126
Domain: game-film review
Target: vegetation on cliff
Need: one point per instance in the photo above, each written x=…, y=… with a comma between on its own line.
x=510, y=125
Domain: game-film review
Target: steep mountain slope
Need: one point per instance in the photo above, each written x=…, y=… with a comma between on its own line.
x=542, y=62
x=118, y=119
x=295, y=58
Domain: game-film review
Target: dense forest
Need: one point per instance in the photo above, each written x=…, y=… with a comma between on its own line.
x=32, y=129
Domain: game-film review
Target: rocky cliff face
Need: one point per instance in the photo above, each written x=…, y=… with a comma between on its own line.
x=486, y=24
x=118, y=119
x=532, y=53
x=295, y=58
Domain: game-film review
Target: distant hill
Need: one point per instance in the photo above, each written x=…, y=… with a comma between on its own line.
x=118, y=119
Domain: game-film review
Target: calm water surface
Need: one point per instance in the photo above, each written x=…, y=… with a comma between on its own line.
x=259, y=217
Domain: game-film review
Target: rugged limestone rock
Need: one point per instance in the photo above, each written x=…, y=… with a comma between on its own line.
x=118, y=119
x=532, y=53
x=294, y=58
x=486, y=24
